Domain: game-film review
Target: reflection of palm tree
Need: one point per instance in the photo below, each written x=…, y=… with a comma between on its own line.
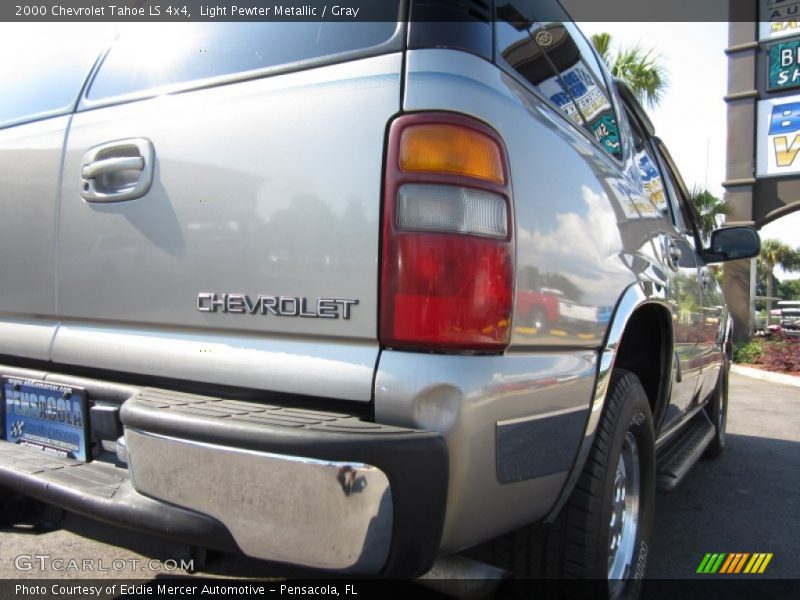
x=638, y=68
x=710, y=209
x=773, y=254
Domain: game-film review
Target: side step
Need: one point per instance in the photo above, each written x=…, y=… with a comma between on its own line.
x=680, y=452
x=464, y=578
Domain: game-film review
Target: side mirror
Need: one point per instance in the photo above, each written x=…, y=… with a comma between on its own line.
x=732, y=243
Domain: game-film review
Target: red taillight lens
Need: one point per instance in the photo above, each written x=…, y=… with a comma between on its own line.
x=448, y=255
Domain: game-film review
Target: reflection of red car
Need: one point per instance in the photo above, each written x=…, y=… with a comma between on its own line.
x=538, y=308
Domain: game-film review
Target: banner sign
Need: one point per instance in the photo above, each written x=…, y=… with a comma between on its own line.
x=778, y=18
x=783, y=70
x=778, y=136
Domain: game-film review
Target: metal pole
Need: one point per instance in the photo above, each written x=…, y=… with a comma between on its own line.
x=751, y=327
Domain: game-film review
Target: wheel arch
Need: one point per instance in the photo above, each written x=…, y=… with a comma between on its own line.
x=640, y=314
x=646, y=349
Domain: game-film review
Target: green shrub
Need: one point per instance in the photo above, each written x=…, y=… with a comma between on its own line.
x=748, y=352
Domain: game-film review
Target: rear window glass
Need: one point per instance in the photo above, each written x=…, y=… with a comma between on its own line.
x=43, y=67
x=156, y=55
x=556, y=59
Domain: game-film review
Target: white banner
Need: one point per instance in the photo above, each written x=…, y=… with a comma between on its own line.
x=778, y=136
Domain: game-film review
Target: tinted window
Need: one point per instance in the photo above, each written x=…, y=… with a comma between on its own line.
x=163, y=54
x=555, y=58
x=519, y=49
x=595, y=103
x=43, y=67
x=652, y=182
x=688, y=213
x=681, y=216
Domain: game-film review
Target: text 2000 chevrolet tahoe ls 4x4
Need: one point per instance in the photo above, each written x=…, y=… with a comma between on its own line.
x=258, y=289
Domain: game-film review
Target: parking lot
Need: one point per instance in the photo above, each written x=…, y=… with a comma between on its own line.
x=745, y=501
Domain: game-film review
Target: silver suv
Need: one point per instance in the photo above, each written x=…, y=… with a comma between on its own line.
x=355, y=296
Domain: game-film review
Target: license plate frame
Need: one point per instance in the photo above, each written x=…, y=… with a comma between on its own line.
x=46, y=416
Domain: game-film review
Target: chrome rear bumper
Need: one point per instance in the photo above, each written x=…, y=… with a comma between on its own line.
x=325, y=514
x=316, y=489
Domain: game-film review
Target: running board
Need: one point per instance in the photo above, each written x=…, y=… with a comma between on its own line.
x=464, y=578
x=682, y=450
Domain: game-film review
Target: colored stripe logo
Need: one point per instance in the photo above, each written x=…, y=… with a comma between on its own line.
x=734, y=562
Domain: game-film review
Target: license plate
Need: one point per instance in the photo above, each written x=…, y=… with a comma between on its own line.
x=45, y=416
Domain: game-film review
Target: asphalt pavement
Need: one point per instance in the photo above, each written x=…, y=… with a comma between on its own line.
x=747, y=500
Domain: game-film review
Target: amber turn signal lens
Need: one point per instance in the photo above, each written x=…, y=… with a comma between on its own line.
x=441, y=148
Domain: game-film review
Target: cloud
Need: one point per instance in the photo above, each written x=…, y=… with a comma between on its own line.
x=582, y=247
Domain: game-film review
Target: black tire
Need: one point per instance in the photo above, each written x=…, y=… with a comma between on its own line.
x=16, y=509
x=577, y=545
x=717, y=411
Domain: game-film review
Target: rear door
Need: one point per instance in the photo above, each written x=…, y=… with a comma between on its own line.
x=710, y=328
x=681, y=248
x=675, y=246
x=220, y=205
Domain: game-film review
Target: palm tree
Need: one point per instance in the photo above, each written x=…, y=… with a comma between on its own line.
x=775, y=253
x=638, y=68
x=710, y=208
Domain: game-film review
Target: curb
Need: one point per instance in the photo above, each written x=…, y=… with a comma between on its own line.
x=766, y=375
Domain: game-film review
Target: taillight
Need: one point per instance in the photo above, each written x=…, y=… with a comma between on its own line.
x=448, y=256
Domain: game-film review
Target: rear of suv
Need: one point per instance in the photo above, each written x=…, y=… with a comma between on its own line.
x=354, y=296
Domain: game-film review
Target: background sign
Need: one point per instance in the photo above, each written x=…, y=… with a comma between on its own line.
x=778, y=18
x=783, y=70
x=778, y=136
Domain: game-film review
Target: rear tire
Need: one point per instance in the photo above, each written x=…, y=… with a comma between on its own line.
x=16, y=509
x=717, y=411
x=603, y=531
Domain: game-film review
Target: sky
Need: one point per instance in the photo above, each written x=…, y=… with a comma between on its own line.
x=692, y=119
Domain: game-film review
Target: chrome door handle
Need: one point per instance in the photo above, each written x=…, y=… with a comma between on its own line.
x=117, y=171
x=675, y=253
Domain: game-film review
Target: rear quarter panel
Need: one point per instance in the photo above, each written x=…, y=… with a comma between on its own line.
x=580, y=218
x=578, y=213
